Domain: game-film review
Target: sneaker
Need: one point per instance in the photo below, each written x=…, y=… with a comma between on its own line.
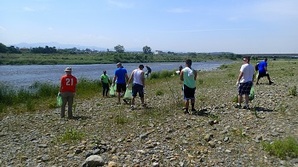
x=246, y=107
x=185, y=111
x=193, y=110
x=125, y=101
x=132, y=107
x=270, y=83
x=237, y=106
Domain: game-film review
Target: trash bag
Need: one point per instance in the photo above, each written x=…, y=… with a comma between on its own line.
x=59, y=100
x=112, y=90
x=252, y=93
x=128, y=94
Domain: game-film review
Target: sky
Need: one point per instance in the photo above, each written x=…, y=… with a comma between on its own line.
x=238, y=26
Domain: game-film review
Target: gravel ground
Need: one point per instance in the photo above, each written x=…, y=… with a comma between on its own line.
x=161, y=134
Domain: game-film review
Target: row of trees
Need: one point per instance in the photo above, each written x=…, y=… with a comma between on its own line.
x=48, y=50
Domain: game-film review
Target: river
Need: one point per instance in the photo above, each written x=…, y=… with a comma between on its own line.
x=23, y=76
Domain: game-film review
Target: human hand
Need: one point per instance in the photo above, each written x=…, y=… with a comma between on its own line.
x=237, y=83
x=127, y=85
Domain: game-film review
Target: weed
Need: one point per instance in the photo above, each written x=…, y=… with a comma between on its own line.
x=232, y=75
x=159, y=93
x=71, y=135
x=282, y=148
x=200, y=81
x=293, y=91
x=30, y=105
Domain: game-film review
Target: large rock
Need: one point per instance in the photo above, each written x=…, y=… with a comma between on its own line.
x=93, y=161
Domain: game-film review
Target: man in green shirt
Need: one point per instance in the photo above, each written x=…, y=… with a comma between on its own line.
x=105, y=82
x=189, y=76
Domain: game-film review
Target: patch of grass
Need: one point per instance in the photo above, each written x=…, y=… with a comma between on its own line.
x=121, y=119
x=71, y=135
x=287, y=147
x=200, y=81
x=293, y=91
x=159, y=93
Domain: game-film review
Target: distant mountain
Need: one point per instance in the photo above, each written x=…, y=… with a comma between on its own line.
x=58, y=46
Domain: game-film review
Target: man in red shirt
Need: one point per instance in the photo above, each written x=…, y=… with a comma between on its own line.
x=67, y=91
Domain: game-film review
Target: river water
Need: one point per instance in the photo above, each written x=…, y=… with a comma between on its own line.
x=23, y=76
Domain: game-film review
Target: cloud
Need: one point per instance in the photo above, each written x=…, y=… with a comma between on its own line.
x=121, y=4
x=178, y=10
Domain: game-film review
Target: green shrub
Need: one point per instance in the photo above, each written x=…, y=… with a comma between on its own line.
x=282, y=148
x=71, y=135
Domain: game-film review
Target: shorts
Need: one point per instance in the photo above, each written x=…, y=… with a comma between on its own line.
x=121, y=87
x=244, y=88
x=189, y=93
x=137, y=88
x=263, y=74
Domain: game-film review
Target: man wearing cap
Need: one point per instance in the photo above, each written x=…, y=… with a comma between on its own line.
x=67, y=91
x=120, y=79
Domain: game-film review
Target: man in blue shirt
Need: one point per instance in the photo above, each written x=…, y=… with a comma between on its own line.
x=262, y=67
x=120, y=79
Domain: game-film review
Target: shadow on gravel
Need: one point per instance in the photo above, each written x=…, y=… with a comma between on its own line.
x=262, y=109
x=202, y=112
x=81, y=117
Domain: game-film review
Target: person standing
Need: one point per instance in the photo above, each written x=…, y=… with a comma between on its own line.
x=105, y=82
x=67, y=91
x=189, y=76
x=262, y=67
x=138, y=78
x=148, y=72
x=245, y=82
x=120, y=79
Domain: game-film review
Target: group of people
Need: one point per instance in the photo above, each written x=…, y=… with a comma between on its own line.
x=246, y=78
x=187, y=75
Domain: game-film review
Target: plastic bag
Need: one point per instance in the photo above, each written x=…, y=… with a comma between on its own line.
x=128, y=94
x=252, y=93
x=112, y=91
x=59, y=100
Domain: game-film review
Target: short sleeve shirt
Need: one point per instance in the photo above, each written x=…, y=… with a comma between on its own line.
x=121, y=73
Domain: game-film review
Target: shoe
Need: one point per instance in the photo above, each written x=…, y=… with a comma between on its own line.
x=257, y=83
x=132, y=107
x=186, y=111
x=144, y=105
x=270, y=83
x=246, y=107
x=193, y=110
x=237, y=106
x=125, y=101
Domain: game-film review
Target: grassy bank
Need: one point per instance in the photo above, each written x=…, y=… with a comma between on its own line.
x=106, y=58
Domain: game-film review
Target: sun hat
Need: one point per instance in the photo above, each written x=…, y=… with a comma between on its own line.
x=67, y=69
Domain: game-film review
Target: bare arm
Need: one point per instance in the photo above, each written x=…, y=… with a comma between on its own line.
x=181, y=75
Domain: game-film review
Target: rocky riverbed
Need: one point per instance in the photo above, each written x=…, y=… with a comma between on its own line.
x=159, y=135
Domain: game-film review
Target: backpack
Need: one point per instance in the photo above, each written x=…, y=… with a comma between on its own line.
x=257, y=67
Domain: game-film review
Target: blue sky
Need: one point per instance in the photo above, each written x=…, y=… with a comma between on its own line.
x=238, y=26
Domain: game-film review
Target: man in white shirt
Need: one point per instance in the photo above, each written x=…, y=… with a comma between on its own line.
x=138, y=78
x=245, y=82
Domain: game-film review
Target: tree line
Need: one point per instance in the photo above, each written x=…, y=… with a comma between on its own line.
x=49, y=50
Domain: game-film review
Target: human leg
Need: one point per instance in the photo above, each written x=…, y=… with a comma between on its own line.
x=70, y=104
x=64, y=101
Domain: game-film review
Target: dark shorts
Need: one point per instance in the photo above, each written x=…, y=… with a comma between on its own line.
x=121, y=88
x=105, y=86
x=137, y=88
x=189, y=93
x=244, y=88
x=263, y=74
